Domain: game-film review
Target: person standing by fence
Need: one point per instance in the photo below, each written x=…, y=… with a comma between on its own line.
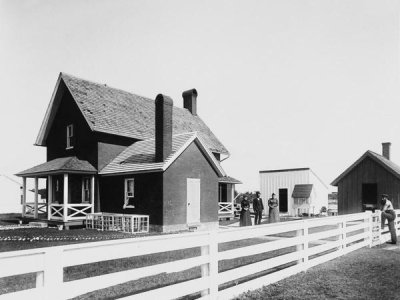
x=389, y=214
x=258, y=208
x=273, y=205
x=245, y=219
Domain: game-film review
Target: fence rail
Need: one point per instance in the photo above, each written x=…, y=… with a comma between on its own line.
x=286, y=249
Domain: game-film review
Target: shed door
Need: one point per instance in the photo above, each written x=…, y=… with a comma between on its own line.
x=283, y=200
x=193, y=200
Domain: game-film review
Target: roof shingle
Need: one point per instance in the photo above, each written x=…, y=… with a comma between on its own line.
x=117, y=112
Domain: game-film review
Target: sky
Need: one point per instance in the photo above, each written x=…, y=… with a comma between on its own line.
x=282, y=84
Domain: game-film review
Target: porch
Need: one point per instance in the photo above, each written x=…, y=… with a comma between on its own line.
x=69, y=188
x=226, y=197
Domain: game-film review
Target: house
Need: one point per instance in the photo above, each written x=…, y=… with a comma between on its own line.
x=299, y=191
x=112, y=151
x=362, y=183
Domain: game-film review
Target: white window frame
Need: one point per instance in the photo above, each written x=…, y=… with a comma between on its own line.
x=70, y=136
x=86, y=180
x=129, y=197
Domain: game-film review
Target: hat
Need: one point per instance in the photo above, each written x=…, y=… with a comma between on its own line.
x=385, y=195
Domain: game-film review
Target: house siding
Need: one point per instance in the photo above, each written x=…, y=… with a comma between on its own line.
x=148, y=195
x=190, y=164
x=367, y=171
x=85, y=146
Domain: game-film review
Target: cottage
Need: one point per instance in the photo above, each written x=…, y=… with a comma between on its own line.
x=112, y=151
x=361, y=184
x=299, y=191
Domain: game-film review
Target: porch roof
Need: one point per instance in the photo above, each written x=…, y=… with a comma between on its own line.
x=228, y=179
x=60, y=165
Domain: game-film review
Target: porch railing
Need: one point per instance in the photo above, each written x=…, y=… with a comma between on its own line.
x=29, y=209
x=70, y=211
x=225, y=208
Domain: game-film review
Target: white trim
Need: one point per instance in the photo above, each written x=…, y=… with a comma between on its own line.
x=200, y=143
x=127, y=198
x=70, y=136
x=83, y=200
x=42, y=132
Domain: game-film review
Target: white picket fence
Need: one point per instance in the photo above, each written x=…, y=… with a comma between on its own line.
x=296, y=246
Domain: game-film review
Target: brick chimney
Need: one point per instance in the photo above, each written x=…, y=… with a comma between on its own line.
x=164, y=105
x=386, y=150
x=190, y=101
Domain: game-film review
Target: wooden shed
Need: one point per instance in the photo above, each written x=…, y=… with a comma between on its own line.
x=361, y=184
x=299, y=191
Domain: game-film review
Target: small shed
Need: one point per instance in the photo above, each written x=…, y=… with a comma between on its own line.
x=299, y=191
x=361, y=184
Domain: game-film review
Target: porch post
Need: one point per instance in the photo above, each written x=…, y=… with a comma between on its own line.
x=50, y=196
x=23, y=196
x=92, y=194
x=65, y=205
x=36, y=197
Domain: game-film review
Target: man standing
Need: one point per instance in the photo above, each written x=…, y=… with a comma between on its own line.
x=389, y=214
x=258, y=208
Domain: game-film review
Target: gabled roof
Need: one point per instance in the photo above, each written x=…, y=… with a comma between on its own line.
x=140, y=157
x=302, y=190
x=113, y=111
x=381, y=160
x=60, y=165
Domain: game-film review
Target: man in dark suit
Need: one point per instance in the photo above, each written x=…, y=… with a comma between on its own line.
x=258, y=208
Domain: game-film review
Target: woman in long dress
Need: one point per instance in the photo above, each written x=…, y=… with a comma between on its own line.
x=245, y=219
x=273, y=205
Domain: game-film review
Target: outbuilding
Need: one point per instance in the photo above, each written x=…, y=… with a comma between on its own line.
x=361, y=184
x=299, y=191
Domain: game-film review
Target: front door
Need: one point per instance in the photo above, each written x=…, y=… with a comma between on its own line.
x=283, y=200
x=193, y=200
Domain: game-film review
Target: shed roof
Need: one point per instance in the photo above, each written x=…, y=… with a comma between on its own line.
x=69, y=164
x=381, y=160
x=140, y=156
x=114, y=111
x=302, y=190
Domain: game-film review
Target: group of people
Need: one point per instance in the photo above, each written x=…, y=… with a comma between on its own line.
x=387, y=209
x=258, y=207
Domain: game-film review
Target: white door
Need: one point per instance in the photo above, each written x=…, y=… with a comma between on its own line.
x=193, y=200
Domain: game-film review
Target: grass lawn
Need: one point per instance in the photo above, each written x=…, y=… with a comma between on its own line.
x=363, y=274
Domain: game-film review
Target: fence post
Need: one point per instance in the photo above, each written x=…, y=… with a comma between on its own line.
x=205, y=268
x=52, y=277
x=210, y=269
x=343, y=234
x=213, y=264
x=303, y=246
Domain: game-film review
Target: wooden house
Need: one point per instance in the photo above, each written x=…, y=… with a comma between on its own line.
x=299, y=191
x=112, y=151
x=361, y=184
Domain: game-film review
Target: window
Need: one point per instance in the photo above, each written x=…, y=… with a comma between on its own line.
x=70, y=136
x=86, y=189
x=129, y=193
